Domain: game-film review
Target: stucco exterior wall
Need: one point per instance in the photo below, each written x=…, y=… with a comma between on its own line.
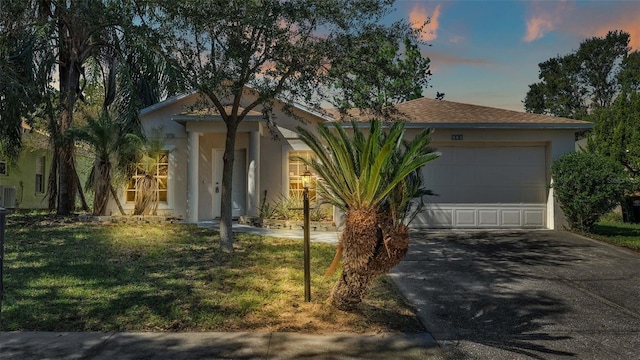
x=22, y=176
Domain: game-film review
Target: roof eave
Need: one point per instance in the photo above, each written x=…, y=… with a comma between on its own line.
x=183, y=119
x=542, y=126
x=163, y=104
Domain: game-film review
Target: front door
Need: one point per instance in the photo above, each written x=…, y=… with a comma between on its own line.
x=239, y=187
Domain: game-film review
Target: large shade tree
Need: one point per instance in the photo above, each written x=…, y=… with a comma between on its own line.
x=70, y=35
x=587, y=79
x=373, y=178
x=243, y=55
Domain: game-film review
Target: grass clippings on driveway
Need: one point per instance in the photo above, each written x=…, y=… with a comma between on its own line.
x=61, y=275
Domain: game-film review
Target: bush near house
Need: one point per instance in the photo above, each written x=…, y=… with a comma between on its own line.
x=587, y=186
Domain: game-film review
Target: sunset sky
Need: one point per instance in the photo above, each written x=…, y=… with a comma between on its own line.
x=487, y=52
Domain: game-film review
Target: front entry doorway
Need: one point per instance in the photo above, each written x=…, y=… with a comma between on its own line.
x=239, y=186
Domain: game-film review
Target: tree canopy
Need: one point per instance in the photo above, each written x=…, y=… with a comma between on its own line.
x=51, y=49
x=587, y=79
x=245, y=55
x=617, y=132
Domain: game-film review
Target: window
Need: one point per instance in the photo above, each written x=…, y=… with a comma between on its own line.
x=157, y=168
x=3, y=168
x=39, y=174
x=296, y=169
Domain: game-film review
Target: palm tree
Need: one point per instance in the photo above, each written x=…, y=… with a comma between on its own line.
x=115, y=153
x=150, y=175
x=373, y=179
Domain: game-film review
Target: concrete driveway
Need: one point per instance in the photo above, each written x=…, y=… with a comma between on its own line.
x=524, y=294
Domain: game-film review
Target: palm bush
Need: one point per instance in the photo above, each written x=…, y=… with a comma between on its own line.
x=114, y=154
x=147, y=183
x=373, y=178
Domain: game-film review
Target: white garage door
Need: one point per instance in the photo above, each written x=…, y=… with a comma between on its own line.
x=491, y=187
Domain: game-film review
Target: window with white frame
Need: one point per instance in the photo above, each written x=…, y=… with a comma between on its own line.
x=39, y=184
x=296, y=169
x=159, y=171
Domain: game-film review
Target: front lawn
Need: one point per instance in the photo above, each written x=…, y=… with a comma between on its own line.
x=61, y=275
x=613, y=230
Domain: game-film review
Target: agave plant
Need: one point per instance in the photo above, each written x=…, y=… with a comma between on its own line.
x=373, y=178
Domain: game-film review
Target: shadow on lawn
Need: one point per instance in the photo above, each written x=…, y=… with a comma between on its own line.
x=481, y=287
x=62, y=276
x=66, y=276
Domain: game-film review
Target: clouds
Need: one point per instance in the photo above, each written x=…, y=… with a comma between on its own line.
x=582, y=19
x=420, y=18
x=537, y=27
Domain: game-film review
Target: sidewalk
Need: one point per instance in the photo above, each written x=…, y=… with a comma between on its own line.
x=214, y=345
x=330, y=237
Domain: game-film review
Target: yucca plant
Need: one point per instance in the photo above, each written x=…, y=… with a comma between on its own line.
x=373, y=179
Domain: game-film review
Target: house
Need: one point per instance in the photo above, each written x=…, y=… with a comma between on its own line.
x=23, y=185
x=493, y=172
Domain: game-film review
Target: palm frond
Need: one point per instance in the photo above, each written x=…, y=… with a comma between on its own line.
x=371, y=170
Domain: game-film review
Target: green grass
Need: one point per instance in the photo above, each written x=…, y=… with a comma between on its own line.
x=613, y=230
x=61, y=275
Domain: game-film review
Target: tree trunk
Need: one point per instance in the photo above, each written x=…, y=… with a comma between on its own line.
x=371, y=246
x=66, y=181
x=69, y=70
x=116, y=199
x=66, y=177
x=83, y=201
x=52, y=183
x=102, y=186
x=226, y=234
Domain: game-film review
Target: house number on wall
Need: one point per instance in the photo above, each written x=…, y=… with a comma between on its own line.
x=456, y=137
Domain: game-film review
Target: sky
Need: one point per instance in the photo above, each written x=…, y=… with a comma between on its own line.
x=487, y=52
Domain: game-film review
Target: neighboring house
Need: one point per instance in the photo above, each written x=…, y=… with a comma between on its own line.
x=493, y=172
x=23, y=185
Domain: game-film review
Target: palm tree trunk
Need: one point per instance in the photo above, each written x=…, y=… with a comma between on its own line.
x=358, y=246
x=102, y=184
x=370, y=247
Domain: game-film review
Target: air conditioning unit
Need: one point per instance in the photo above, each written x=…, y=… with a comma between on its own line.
x=8, y=197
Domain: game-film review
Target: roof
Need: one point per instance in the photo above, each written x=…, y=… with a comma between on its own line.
x=425, y=112
x=213, y=111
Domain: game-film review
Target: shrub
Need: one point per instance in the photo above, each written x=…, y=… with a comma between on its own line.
x=290, y=208
x=587, y=186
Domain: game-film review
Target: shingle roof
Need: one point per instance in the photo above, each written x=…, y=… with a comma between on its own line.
x=442, y=113
x=213, y=111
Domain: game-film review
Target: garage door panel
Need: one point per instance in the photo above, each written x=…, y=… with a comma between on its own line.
x=511, y=217
x=533, y=218
x=488, y=217
x=465, y=218
x=482, y=216
x=511, y=181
